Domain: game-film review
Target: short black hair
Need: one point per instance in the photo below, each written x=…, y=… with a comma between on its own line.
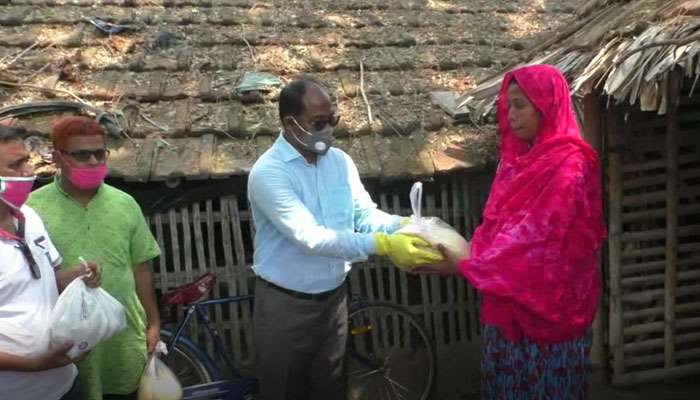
x=9, y=133
x=290, y=102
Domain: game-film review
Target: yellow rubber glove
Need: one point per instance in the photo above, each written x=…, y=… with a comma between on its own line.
x=406, y=251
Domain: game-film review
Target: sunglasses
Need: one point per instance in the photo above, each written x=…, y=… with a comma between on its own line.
x=319, y=124
x=27, y=252
x=100, y=155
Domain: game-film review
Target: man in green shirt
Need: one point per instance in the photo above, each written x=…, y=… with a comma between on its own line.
x=90, y=219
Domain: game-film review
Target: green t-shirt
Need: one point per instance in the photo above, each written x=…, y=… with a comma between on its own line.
x=112, y=232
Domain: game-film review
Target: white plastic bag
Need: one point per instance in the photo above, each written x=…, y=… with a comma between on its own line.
x=158, y=381
x=84, y=316
x=434, y=230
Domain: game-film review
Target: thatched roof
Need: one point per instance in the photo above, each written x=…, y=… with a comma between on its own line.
x=170, y=79
x=624, y=48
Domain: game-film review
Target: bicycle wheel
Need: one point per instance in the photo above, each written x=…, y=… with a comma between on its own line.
x=184, y=360
x=390, y=355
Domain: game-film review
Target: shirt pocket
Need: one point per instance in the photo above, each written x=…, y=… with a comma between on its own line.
x=337, y=208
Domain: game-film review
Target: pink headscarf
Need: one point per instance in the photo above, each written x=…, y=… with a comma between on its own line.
x=535, y=256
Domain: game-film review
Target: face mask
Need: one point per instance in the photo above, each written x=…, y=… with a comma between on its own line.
x=87, y=178
x=318, y=142
x=14, y=191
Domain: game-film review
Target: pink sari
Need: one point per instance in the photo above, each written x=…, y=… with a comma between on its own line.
x=535, y=256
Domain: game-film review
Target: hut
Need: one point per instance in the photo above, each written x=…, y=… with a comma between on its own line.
x=633, y=68
x=188, y=90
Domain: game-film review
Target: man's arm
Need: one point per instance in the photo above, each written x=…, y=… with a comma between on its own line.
x=65, y=277
x=53, y=358
x=145, y=290
x=368, y=218
x=270, y=191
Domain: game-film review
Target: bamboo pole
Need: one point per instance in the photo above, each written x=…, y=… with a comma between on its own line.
x=658, y=294
x=614, y=242
x=659, y=278
x=592, y=133
x=658, y=312
x=681, y=355
x=660, y=326
x=670, y=283
x=655, y=344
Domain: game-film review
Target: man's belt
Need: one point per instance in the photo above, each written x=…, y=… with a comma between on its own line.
x=301, y=295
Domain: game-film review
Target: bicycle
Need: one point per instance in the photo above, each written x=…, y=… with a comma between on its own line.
x=389, y=353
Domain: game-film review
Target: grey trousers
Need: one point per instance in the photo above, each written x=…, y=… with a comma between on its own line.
x=300, y=345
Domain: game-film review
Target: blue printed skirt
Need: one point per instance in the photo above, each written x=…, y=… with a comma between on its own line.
x=529, y=371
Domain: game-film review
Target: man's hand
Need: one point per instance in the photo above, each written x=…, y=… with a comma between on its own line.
x=406, y=251
x=152, y=337
x=94, y=273
x=53, y=358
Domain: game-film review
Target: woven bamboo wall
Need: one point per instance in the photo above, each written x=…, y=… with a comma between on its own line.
x=216, y=236
x=653, y=173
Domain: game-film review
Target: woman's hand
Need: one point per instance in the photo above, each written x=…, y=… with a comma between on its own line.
x=449, y=266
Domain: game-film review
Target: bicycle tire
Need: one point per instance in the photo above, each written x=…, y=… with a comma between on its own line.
x=185, y=360
x=413, y=376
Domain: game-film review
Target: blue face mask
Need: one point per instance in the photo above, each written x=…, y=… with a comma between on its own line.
x=318, y=142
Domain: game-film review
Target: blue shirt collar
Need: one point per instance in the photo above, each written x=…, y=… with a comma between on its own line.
x=285, y=149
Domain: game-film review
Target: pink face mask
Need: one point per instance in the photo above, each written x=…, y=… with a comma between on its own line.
x=87, y=178
x=14, y=191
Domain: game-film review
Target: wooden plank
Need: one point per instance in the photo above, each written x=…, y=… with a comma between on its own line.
x=682, y=308
x=435, y=289
x=658, y=344
x=230, y=268
x=646, y=296
x=211, y=244
x=472, y=207
x=202, y=266
x=162, y=263
x=187, y=243
x=174, y=241
x=459, y=224
x=671, y=273
x=637, y=361
x=242, y=272
x=660, y=327
x=449, y=281
x=615, y=243
x=683, y=210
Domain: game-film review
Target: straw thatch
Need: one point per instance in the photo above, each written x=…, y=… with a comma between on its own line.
x=623, y=48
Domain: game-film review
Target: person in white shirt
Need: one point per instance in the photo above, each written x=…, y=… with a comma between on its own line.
x=30, y=281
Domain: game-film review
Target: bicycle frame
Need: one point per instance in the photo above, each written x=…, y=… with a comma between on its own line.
x=198, y=310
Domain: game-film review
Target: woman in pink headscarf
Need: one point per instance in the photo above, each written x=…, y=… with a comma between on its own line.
x=534, y=259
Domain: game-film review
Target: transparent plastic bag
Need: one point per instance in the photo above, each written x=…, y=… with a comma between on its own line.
x=434, y=230
x=84, y=316
x=158, y=381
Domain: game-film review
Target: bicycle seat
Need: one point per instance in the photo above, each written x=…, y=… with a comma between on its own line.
x=190, y=292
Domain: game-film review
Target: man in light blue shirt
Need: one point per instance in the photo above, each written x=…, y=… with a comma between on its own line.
x=313, y=218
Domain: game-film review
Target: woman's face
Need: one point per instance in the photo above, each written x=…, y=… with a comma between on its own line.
x=522, y=114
